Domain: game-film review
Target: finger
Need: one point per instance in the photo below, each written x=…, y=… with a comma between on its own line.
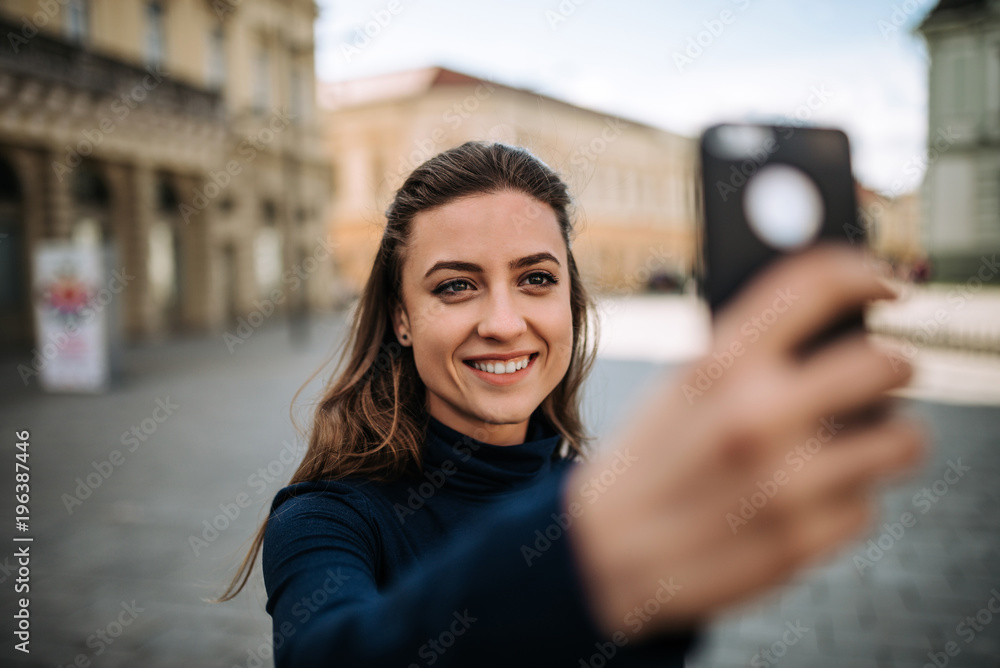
x=797, y=297
x=816, y=533
x=819, y=471
x=746, y=564
x=849, y=375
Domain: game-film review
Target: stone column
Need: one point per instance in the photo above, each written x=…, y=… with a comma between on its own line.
x=58, y=199
x=133, y=211
x=198, y=283
x=29, y=165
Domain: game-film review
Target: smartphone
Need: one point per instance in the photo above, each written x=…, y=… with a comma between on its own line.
x=770, y=191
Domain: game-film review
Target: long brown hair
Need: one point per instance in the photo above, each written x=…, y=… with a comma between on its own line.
x=371, y=419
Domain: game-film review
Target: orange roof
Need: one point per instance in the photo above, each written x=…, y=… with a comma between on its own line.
x=391, y=86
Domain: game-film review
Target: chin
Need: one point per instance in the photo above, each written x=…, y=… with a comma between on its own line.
x=506, y=414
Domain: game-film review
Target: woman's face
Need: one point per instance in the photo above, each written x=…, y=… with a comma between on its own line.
x=478, y=284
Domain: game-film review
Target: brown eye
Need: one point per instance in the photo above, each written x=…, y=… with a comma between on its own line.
x=449, y=287
x=545, y=276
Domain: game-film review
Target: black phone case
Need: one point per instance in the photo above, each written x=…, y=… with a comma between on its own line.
x=731, y=252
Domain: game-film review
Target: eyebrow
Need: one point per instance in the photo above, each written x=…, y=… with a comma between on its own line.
x=472, y=267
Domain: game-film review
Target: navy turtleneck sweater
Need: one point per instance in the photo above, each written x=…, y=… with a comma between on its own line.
x=467, y=564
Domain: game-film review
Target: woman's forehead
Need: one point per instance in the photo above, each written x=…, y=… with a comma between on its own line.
x=508, y=223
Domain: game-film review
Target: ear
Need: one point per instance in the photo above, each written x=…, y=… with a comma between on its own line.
x=401, y=326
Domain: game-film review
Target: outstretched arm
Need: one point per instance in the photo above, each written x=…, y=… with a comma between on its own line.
x=508, y=594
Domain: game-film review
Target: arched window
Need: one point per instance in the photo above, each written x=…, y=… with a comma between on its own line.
x=215, y=61
x=156, y=41
x=165, y=268
x=262, y=79
x=268, y=251
x=92, y=207
x=77, y=17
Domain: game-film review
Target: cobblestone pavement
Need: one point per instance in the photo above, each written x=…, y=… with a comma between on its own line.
x=127, y=546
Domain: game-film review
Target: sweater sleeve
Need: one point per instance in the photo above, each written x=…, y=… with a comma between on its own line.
x=508, y=593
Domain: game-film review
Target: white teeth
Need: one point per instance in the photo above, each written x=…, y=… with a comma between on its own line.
x=500, y=368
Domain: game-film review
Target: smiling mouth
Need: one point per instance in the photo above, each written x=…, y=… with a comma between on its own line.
x=500, y=367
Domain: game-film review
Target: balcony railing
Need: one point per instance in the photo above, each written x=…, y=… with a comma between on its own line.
x=45, y=58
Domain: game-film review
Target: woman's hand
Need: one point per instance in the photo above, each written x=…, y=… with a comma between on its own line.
x=752, y=463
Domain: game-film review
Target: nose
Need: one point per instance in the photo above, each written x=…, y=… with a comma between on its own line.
x=502, y=318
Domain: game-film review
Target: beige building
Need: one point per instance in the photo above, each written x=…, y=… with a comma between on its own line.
x=635, y=185
x=179, y=134
x=892, y=225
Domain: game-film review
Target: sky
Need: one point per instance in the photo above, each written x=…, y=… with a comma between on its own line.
x=857, y=65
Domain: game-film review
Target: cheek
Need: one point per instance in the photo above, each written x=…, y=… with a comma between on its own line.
x=558, y=324
x=426, y=318
x=436, y=342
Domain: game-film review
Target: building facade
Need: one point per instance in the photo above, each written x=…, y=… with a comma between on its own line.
x=892, y=227
x=179, y=135
x=961, y=190
x=634, y=185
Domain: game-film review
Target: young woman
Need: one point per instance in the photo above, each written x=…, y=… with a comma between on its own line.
x=448, y=511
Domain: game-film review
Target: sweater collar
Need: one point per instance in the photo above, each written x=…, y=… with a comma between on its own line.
x=473, y=466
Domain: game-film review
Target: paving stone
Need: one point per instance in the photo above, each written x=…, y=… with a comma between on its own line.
x=130, y=538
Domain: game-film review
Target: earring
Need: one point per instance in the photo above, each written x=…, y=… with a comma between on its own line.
x=405, y=336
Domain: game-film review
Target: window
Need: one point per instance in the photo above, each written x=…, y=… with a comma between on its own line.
x=262, y=81
x=155, y=34
x=162, y=267
x=215, y=65
x=960, y=83
x=268, y=251
x=295, y=93
x=77, y=20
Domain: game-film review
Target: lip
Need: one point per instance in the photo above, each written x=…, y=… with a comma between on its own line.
x=500, y=356
x=507, y=378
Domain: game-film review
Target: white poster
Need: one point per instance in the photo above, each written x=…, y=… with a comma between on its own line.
x=70, y=317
